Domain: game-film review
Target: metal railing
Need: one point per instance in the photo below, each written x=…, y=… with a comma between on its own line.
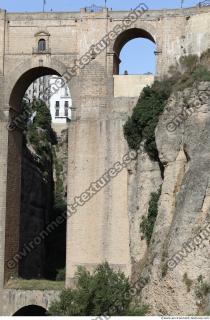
x=94, y=8
x=205, y=3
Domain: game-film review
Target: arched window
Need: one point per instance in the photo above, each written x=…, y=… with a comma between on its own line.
x=42, y=45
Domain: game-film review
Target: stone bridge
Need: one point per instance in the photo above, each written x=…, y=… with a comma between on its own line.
x=37, y=44
x=13, y=301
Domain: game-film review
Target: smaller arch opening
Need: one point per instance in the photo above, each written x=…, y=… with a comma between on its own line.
x=42, y=45
x=134, y=64
x=126, y=37
x=31, y=310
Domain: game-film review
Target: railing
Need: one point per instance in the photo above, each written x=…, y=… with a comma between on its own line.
x=94, y=8
x=37, y=51
x=205, y=3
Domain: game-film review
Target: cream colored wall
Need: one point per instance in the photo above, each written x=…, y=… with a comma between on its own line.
x=131, y=85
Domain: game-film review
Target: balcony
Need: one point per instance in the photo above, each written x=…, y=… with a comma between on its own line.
x=37, y=51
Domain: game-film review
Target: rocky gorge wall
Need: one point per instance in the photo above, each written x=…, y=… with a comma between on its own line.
x=176, y=263
x=36, y=209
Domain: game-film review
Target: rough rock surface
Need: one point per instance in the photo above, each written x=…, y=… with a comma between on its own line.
x=36, y=208
x=60, y=159
x=184, y=208
x=144, y=178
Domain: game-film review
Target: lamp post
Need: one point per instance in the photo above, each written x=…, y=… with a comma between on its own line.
x=44, y=3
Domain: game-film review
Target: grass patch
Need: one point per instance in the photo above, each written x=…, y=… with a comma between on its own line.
x=42, y=284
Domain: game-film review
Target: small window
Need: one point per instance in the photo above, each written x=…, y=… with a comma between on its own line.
x=66, y=91
x=57, y=108
x=41, y=45
x=66, y=108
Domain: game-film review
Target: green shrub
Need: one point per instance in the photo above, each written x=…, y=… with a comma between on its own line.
x=147, y=225
x=201, y=74
x=43, y=117
x=60, y=205
x=38, y=132
x=140, y=127
x=105, y=292
x=139, y=312
x=189, y=63
x=61, y=275
x=202, y=288
x=188, y=282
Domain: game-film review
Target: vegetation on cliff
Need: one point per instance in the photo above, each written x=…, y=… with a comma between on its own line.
x=140, y=127
x=105, y=292
x=148, y=223
x=39, y=135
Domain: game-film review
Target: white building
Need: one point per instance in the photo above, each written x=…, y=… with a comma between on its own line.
x=59, y=100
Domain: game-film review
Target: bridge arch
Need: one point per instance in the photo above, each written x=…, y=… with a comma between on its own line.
x=22, y=76
x=18, y=84
x=31, y=310
x=124, y=38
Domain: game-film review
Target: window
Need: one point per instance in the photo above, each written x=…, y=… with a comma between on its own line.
x=41, y=45
x=66, y=107
x=66, y=91
x=57, y=108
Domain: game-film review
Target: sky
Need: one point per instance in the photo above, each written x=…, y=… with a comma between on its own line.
x=75, y=5
x=137, y=56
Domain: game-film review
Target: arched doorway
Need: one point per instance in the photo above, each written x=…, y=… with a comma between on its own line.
x=28, y=216
x=31, y=310
x=128, y=36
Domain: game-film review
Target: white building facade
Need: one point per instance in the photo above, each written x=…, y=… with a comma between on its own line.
x=59, y=100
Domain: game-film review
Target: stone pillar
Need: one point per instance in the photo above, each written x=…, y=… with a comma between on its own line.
x=13, y=200
x=3, y=186
x=98, y=230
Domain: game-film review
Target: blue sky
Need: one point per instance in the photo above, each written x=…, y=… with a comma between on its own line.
x=75, y=5
x=137, y=55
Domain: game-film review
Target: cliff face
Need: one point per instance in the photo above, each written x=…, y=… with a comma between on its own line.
x=177, y=260
x=60, y=163
x=36, y=209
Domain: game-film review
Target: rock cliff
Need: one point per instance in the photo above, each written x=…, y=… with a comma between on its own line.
x=177, y=261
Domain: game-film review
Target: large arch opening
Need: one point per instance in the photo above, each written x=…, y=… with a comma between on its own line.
x=35, y=243
x=31, y=310
x=134, y=62
x=137, y=57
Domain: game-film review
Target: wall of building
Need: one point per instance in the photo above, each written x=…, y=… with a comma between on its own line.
x=59, y=102
x=131, y=85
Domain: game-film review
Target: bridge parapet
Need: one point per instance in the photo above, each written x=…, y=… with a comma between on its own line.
x=13, y=300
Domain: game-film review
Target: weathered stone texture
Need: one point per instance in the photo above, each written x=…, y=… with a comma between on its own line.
x=183, y=208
